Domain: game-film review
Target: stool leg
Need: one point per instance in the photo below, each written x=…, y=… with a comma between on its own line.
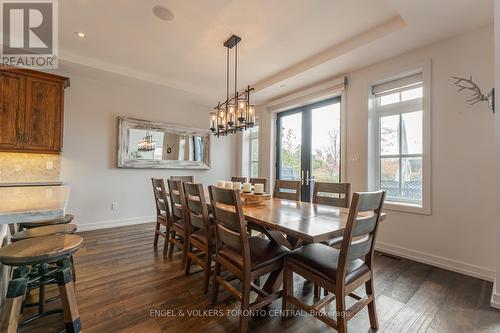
x=68, y=300
x=73, y=271
x=9, y=317
x=43, y=268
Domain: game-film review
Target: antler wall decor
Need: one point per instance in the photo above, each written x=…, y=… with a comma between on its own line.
x=477, y=95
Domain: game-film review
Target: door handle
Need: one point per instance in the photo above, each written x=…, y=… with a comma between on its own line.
x=301, y=177
x=307, y=177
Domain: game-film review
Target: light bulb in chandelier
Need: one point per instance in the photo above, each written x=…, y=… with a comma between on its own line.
x=221, y=119
x=251, y=115
x=213, y=121
x=242, y=109
x=231, y=114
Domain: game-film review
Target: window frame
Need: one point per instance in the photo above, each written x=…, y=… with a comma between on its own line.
x=375, y=114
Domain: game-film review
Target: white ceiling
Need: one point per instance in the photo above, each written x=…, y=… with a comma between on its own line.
x=284, y=42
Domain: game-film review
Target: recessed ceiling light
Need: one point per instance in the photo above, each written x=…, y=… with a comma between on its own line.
x=80, y=34
x=163, y=13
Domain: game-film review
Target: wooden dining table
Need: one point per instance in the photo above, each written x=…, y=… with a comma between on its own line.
x=292, y=224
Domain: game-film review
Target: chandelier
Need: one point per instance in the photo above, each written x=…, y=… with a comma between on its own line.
x=235, y=113
x=147, y=143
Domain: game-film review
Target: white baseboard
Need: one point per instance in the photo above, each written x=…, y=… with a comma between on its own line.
x=115, y=223
x=495, y=298
x=430, y=259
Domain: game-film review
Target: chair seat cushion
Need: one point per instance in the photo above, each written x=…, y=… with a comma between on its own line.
x=263, y=252
x=41, y=223
x=334, y=242
x=323, y=260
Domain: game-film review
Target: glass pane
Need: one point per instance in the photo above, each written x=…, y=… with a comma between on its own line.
x=389, y=99
x=389, y=176
x=291, y=140
x=410, y=94
x=389, y=140
x=325, y=148
x=255, y=170
x=411, y=175
x=411, y=133
x=255, y=150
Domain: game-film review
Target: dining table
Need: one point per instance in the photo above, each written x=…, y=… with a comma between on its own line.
x=293, y=224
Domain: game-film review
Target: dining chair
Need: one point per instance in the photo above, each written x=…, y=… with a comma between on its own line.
x=189, y=179
x=200, y=231
x=246, y=257
x=287, y=189
x=162, y=212
x=239, y=179
x=178, y=228
x=331, y=194
x=340, y=271
x=259, y=181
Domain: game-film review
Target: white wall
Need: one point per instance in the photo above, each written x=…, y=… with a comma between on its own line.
x=460, y=233
x=90, y=141
x=495, y=298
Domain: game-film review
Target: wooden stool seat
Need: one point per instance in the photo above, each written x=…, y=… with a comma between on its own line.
x=40, y=250
x=44, y=231
x=42, y=223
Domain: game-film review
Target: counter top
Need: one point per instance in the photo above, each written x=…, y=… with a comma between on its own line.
x=32, y=203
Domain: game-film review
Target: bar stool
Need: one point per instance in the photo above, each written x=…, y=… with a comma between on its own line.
x=44, y=231
x=40, y=253
x=47, y=231
x=42, y=223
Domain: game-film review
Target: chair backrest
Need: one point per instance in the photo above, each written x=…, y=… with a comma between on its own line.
x=287, y=189
x=332, y=194
x=239, y=179
x=259, y=181
x=177, y=199
x=189, y=179
x=197, y=210
x=161, y=196
x=229, y=222
x=361, y=230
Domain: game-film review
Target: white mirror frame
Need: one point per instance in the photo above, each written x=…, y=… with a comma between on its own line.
x=123, y=161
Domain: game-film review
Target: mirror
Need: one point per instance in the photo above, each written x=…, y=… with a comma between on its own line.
x=148, y=144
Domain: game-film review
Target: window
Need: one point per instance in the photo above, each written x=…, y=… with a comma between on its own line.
x=398, y=145
x=254, y=151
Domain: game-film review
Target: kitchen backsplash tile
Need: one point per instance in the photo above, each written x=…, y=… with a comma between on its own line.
x=27, y=168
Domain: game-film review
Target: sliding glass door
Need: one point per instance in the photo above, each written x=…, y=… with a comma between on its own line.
x=308, y=145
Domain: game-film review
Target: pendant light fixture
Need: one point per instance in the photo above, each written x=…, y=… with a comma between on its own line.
x=148, y=143
x=235, y=113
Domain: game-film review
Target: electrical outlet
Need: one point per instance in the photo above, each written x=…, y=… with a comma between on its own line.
x=114, y=206
x=50, y=165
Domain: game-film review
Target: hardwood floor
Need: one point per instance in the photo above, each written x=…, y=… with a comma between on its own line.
x=122, y=280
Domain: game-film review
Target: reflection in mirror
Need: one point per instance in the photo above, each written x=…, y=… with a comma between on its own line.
x=160, y=145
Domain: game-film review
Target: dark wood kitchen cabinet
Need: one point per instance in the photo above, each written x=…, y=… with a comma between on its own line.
x=31, y=110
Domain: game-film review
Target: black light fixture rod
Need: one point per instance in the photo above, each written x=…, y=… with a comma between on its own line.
x=236, y=71
x=227, y=76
